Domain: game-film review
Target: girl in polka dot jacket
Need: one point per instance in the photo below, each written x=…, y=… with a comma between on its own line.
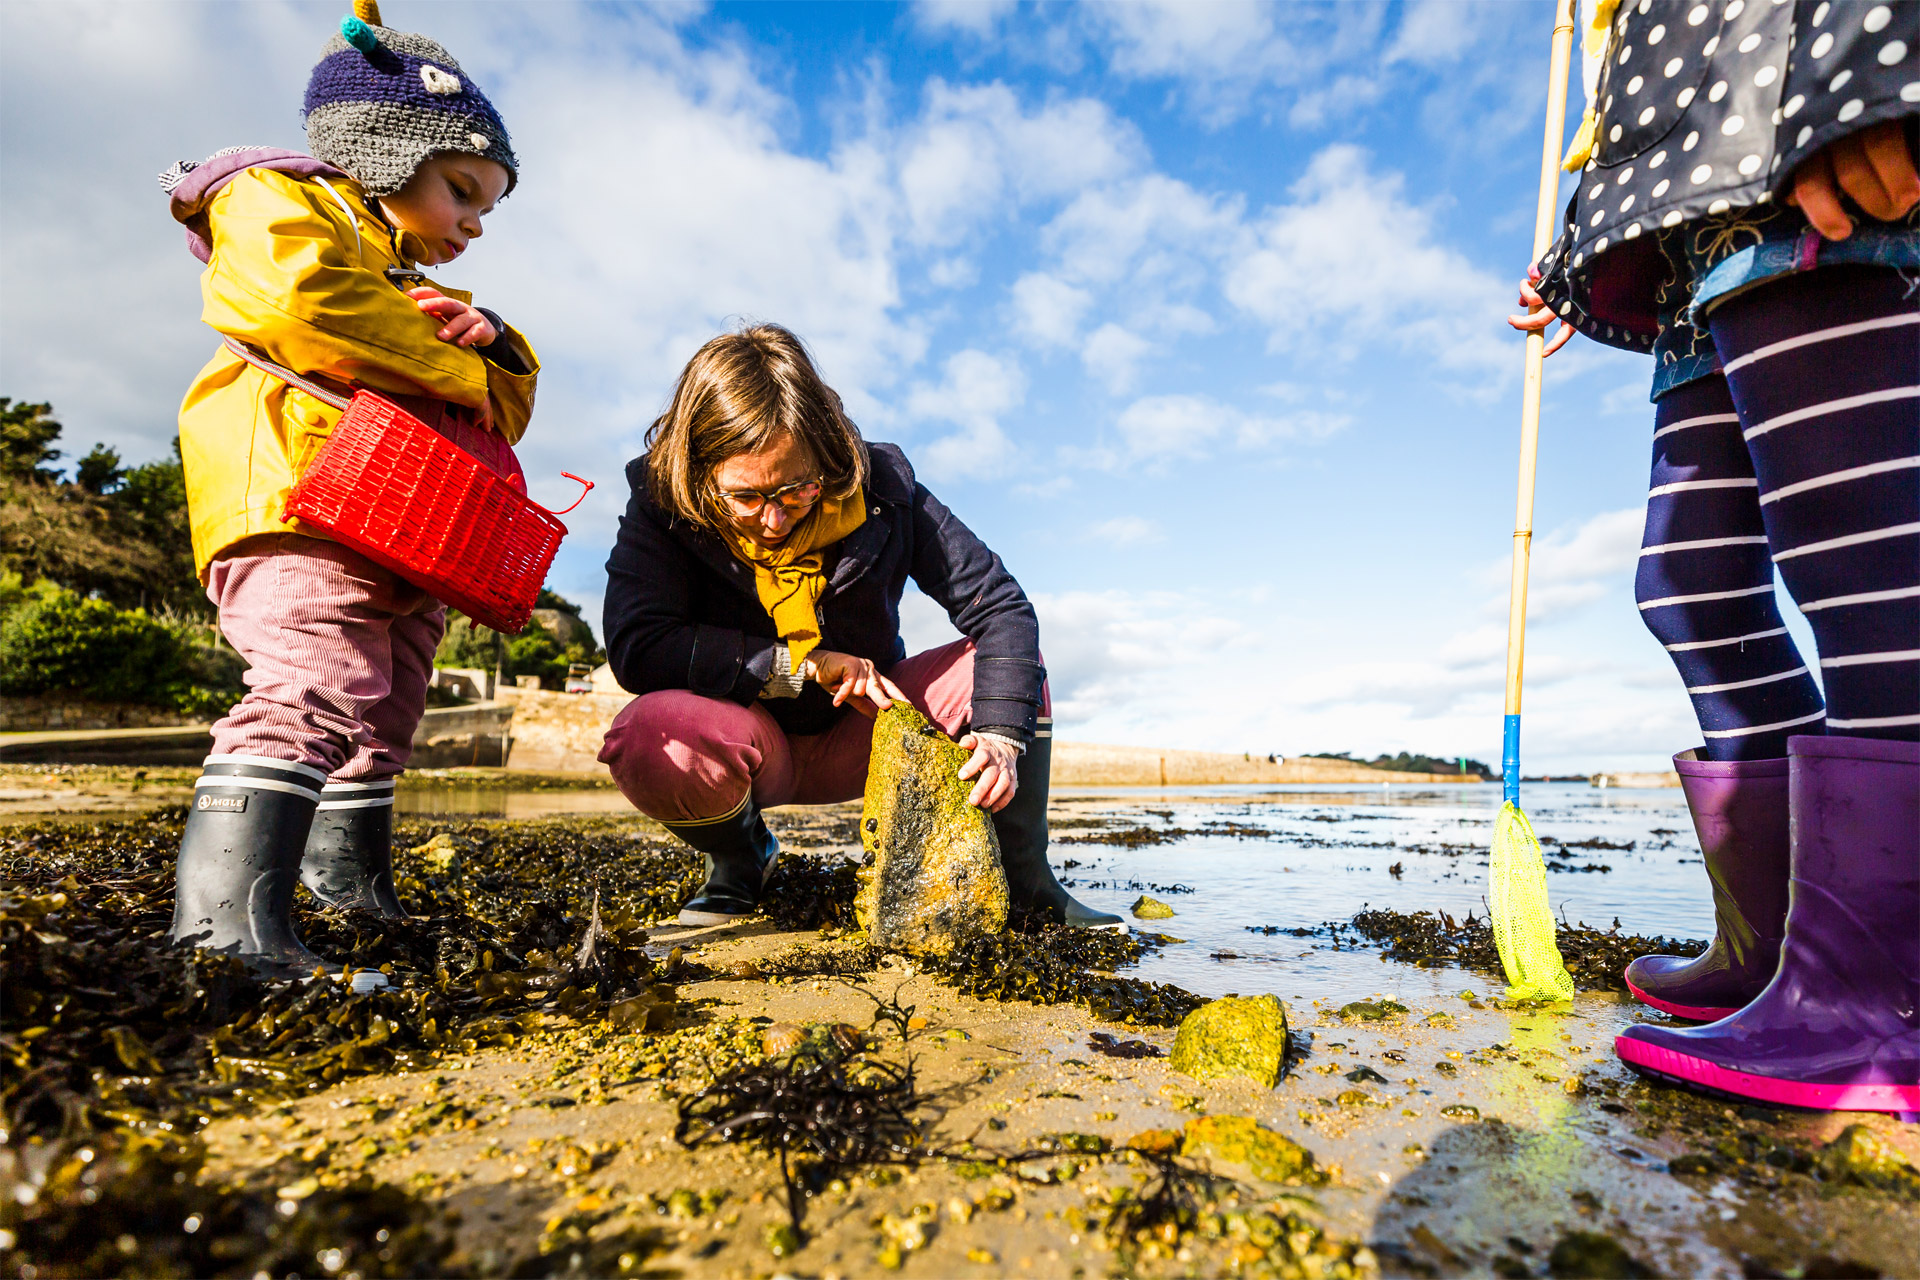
x=1748, y=212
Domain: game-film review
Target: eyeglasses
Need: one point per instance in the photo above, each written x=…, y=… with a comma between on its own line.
x=797, y=496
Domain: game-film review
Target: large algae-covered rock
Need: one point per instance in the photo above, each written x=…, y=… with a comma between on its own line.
x=933, y=878
x=1233, y=1037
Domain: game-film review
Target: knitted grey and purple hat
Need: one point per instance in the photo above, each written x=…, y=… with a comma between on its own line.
x=381, y=101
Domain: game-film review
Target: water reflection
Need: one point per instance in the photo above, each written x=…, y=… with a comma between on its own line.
x=1295, y=860
x=503, y=802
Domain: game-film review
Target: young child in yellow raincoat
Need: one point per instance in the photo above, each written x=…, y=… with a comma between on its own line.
x=313, y=264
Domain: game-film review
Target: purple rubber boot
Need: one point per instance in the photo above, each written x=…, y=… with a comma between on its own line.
x=1838, y=1028
x=1740, y=813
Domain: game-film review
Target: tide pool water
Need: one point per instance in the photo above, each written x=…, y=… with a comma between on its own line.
x=1299, y=858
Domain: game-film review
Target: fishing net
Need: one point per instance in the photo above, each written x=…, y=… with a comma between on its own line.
x=1522, y=922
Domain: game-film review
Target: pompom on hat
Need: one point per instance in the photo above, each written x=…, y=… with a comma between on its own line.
x=381, y=101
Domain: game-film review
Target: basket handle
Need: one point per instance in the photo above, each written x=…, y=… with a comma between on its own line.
x=577, y=501
x=285, y=374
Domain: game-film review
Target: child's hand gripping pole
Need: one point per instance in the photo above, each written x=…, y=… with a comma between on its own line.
x=1517, y=876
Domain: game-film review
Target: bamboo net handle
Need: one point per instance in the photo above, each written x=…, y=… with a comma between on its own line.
x=1543, y=223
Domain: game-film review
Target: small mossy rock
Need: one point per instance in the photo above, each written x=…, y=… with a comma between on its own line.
x=1233, y=1036
x=1589, y=1255
x=1857, y=1156
x=1145, y=908
x=1371, y=1010
x=1156, y=1142
x=933, y=877
x=1242, y=1140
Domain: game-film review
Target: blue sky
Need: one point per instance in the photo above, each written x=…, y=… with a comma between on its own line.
x=1192, y=310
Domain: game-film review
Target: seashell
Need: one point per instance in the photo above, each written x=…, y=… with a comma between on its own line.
x=846, y=1037
x=743, y=969
x=781, y=1038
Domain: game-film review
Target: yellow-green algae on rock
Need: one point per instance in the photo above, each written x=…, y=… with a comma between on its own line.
x=1242, y=1140
x=1145, y=908
x=1233, y=1036
x=933, y=878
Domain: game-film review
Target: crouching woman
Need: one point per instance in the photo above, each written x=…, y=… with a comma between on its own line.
x=753, y=604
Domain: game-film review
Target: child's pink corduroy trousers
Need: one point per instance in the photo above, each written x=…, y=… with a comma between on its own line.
x=679, y=757
x=339, y=653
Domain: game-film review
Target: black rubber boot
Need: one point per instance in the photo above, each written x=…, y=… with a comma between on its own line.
x=1022, y=831
x=349, y=859
x=240, y=861
x=740, y=854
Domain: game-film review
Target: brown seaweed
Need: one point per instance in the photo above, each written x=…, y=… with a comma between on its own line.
x=137, y=1210
x=119, y=1042
x=1058, y=965
x=1429, y=939
x=816, y=1105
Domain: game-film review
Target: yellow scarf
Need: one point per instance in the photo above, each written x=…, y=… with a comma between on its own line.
x=790, y=577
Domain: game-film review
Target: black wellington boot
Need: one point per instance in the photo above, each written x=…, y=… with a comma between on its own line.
x=1022, y=830
x=740, y=854
x=349, y=859
x=240, y=861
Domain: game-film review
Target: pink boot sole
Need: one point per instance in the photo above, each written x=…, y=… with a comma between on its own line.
x=1691, y=1012
x=1686, y=1069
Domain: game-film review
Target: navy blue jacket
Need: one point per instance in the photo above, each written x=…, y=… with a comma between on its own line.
x=682, y=613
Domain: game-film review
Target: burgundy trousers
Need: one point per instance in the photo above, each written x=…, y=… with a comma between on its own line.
x=339, y=653
x=680, y=757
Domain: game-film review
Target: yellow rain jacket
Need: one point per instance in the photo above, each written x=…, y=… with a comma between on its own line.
x=298, y=271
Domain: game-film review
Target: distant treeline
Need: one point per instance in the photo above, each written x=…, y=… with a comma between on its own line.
x=1406, y=762
x=107, y=532
x=98, y=597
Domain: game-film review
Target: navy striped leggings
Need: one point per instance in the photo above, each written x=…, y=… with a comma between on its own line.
x=1804, y=457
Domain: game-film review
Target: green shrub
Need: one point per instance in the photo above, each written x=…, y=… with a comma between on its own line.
x=536, y=651
x=55, y=641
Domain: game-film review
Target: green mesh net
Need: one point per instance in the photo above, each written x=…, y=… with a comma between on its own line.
x=1522, y=921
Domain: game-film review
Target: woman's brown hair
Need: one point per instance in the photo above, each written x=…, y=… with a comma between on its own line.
x=738, y=392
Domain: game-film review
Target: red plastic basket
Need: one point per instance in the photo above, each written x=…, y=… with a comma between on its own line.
x=403, y=495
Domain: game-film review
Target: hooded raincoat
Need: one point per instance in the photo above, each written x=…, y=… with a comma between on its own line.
x=298, y=266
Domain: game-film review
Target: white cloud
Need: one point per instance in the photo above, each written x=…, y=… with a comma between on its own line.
x=1149, y=229
x=1123, y=531
x=976, y=390
x=1113, y=355
x=1185, y=426
x=1048, y=309
x=1433, y=32
x=1571, y=567
x=1226, y=56
x=976, y=18
x=976, y=155
x=1350, y=263
x=1223, y=39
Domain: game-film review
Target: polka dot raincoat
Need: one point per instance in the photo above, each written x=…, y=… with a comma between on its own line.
x=1702, y=111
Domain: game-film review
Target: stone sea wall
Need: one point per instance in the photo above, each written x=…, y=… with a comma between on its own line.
x=43, y=713
x=1087, y=764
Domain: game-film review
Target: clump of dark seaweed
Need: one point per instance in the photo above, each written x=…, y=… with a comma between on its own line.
x=114, y=1036
x=1059, y=965
x=1105, y=1042
x=1170, y=1205
x=811, y=891
x=840, y=957
x=1597, y=960
x=819, y=1105
x=144, y=1214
